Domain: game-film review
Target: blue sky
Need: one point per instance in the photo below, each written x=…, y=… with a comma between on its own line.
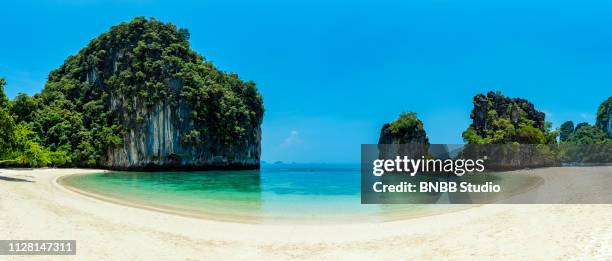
x=332, y=72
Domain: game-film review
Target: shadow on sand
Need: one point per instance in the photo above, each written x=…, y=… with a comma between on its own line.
x=3, y=178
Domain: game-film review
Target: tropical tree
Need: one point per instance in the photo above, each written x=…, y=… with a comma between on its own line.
x=566, y=129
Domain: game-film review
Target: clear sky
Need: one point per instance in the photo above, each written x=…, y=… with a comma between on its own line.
x=332, y=72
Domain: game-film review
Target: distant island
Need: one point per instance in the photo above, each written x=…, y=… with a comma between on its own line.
x=136, y=97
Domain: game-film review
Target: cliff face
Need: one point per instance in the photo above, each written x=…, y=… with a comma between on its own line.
x=508, y=131
x=499, y=119
x=145, y=100
x=156, y=143
x=604, y=116
x=387, y=136
x=504, y=107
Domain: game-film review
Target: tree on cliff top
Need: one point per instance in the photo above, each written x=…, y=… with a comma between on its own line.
x=407, y=128
x=499, y=119
x=89, y=102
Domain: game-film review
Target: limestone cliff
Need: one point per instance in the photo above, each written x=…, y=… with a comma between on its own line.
x=499, y=119
x=408, y=130
x=156, y=144
x=404, y=130
x=504, y=107
x=140, y=98
x=508, y=132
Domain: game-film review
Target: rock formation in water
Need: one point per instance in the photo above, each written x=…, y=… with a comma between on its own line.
x=404, y=130
x=503, y=128
x=500, y=119
x=138, y=97
x=407, y=129
x=604, y=116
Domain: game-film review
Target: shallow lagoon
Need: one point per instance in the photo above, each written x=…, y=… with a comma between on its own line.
x=276, y=193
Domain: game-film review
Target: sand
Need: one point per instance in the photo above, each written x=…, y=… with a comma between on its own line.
x=42, y=209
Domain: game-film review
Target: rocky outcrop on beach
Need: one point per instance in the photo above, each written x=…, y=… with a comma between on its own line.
x=138, y=97
x=498, y=119
x=404, y=130
x=502, y=106
x=407, y=130
x=156, y=144
x=504, y=129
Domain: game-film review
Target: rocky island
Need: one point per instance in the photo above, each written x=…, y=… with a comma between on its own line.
x=498, y=119
x=138, y=97
x=407, y=130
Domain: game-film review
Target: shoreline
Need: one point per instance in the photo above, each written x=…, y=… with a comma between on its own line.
x=82, y=193
x=393, y=216
x=41, y=210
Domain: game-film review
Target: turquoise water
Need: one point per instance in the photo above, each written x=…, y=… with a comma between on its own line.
x=317, y=193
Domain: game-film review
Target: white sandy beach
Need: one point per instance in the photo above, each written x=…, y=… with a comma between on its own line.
x=42, y=209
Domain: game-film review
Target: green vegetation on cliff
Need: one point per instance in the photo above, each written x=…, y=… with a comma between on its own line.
x=586, y=134
x=589, y=135
x=583, y=134
x=498, y=119
x=104, y=92
x=408, y=128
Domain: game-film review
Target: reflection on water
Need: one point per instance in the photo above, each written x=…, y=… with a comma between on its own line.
x=317, y=193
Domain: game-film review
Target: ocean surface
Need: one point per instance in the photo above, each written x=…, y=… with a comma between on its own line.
x=277, y=193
